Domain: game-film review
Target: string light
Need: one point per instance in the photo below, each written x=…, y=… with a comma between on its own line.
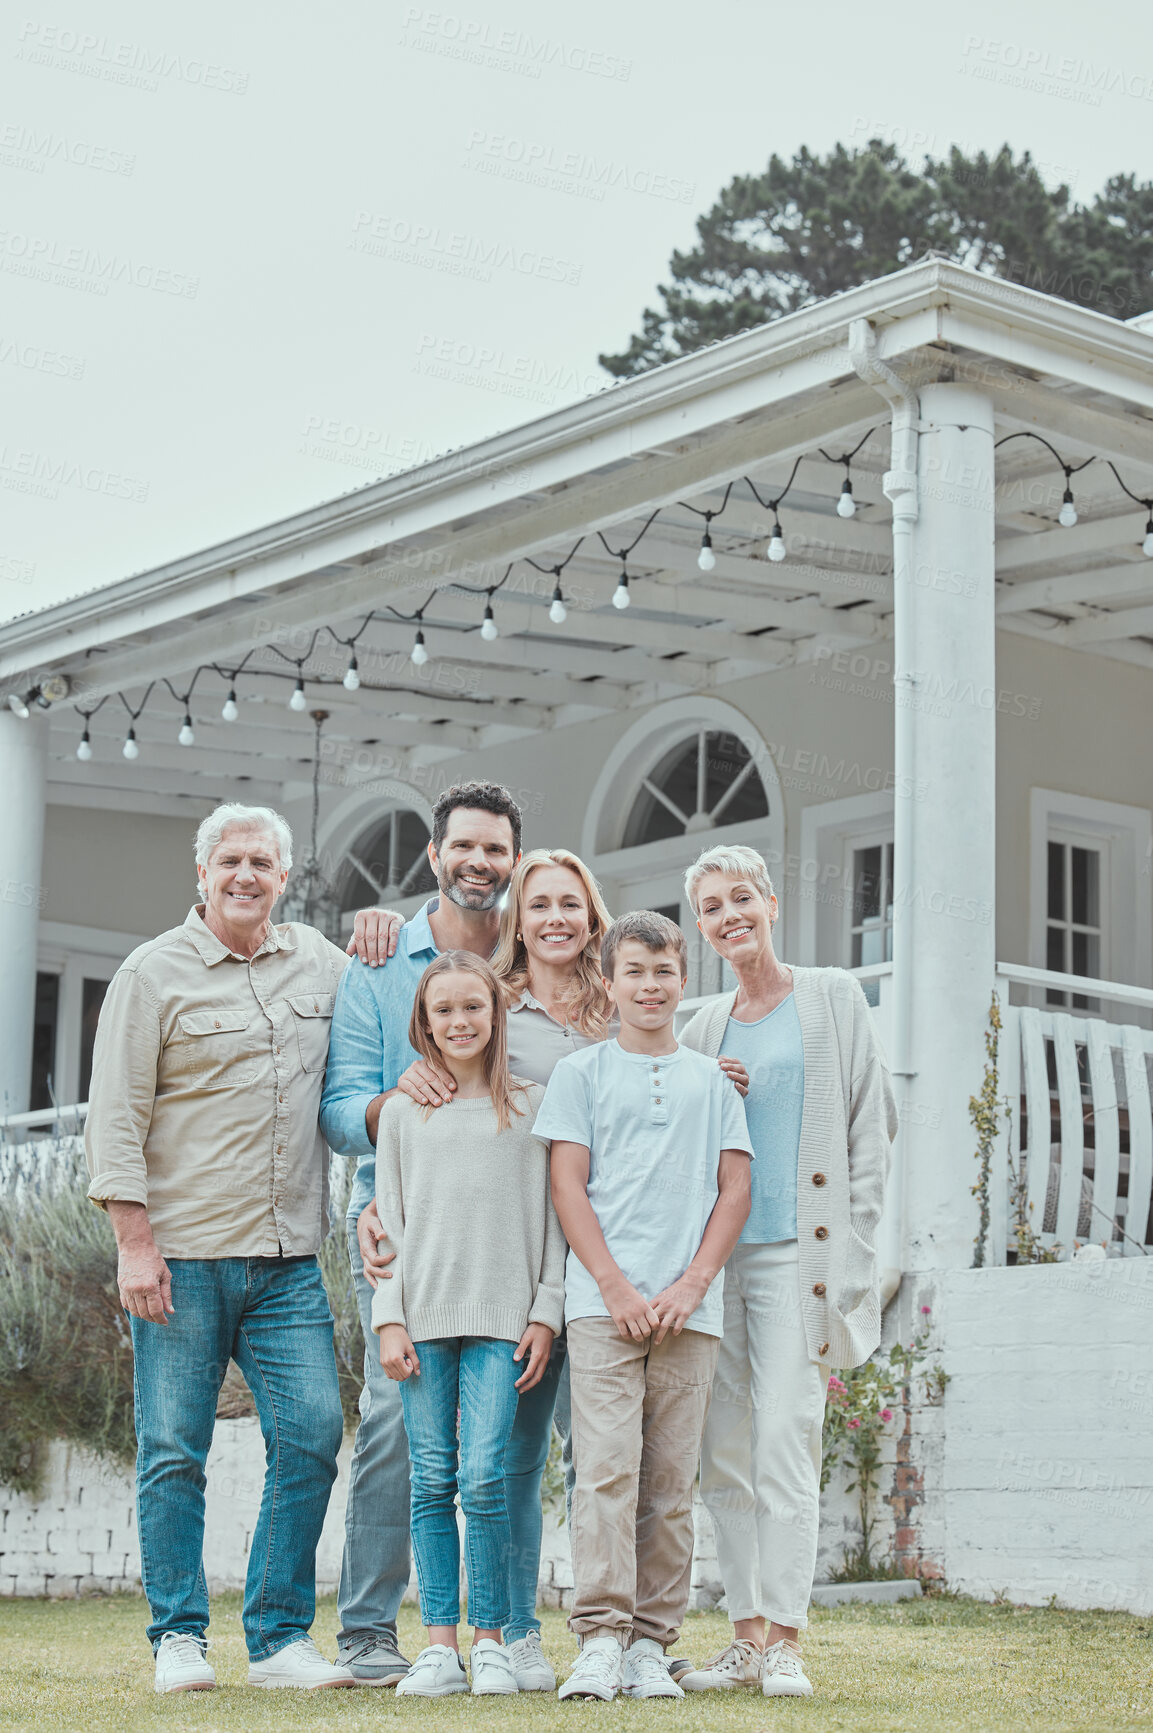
x=186, y=737
x=84, y=750
x=230, y=711
x=298, y=701
x=1067, y=516
x=557, y=611
x=419, y=652
x=706, y=559
x=351, y=681
x=1147, y=544
x=621, y=593
x=846, y=505
x=130, y=748
x=19, y=705
x=777, y=549
x=488, y=626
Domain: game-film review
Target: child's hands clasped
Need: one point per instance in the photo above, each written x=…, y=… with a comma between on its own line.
x=537, y=1344
x=397, y=1354
x=676, y=1304
x=629, y=1310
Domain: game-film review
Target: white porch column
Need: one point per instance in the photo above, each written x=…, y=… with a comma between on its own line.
x=945, y=877
x=23, y=780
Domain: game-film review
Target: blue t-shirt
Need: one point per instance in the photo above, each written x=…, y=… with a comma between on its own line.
x=654, y=1128
x=773, y=1054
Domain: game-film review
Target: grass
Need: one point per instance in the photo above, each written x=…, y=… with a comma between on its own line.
x=943, y=1663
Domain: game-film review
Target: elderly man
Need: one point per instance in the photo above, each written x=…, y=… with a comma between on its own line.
x=204, y=1147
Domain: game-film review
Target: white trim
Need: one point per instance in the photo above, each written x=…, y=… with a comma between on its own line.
x=97, y=941
x=825, y=830
x=1128, y=911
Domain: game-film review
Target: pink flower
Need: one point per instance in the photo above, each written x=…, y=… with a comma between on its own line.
x=926, y=1310
x=853, y=1424
x=886, y=1415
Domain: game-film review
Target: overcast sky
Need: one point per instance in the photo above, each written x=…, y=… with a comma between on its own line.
x=254, y=256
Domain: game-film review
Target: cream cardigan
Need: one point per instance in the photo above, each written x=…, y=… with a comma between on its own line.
x=848, y=1123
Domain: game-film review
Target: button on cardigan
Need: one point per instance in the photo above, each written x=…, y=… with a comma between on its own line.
x=848, y=1123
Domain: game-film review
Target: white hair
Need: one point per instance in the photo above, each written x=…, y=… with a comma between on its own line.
x=233, y=816
x=735, y=861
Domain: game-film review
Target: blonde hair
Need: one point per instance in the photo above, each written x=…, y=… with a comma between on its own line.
x=587, y=1006
x=735, y=861
x=501, y=1085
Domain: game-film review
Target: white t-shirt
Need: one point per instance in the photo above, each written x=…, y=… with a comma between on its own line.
x=654, y=1129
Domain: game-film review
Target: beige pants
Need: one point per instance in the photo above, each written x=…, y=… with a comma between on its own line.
x=638, y=1411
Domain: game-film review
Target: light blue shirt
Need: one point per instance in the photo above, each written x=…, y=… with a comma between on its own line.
x=369, y=1046
x=773, y=1054
x=654, y=1129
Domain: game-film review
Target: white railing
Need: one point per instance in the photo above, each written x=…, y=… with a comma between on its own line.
x=1076, y=1156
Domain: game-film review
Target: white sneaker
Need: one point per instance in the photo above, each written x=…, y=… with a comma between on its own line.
x=644, y=1673
x=782, y=1674
x=596, y=1671
x=530, y=1664
x=438, y=1671
x=491, y=1667
x=739, y=1664
x=299, y=1666
x=180, y=1664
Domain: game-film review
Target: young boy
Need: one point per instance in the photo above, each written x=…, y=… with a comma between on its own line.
x=650, y=1178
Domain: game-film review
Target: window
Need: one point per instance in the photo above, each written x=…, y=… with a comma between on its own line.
x=387, y=863
x=91, y=999
x=870, y=904
x=1089, y=896
x=694, y=786
x=843, y=882
x=44, y=1026
x=1074, y=939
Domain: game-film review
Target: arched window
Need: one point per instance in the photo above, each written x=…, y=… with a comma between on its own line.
x=387, y=863
x=699, y=783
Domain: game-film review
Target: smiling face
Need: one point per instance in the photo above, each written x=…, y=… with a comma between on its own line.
x=735, y=918
x=242, y=881
x=474, y=863
x=646, y=986
x=458, y=1014
x=554, y=916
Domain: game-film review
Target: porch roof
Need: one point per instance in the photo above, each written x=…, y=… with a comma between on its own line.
x=748, y=406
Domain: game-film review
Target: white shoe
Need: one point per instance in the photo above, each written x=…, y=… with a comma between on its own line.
x=596, y=1671
x=739, y=1664
x=180, y=1664
x=530, y=1664
x=782, y=1674
x=491, y=1667
x=299, y=1666
x=644, y=1673
x=438, y=1671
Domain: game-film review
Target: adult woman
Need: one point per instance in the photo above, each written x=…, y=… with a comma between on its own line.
x=801, y=1288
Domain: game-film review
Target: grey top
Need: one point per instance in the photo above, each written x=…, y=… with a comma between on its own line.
x=537, y=1042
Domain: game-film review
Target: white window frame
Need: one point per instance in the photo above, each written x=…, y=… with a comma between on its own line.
x=76, y=954
x=824, y=891
x=1126, y=835
x=882, y=838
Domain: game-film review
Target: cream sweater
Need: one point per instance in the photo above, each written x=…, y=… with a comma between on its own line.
x=467, y=1209
x=848, y=1123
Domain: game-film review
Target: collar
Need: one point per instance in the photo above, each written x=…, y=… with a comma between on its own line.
x=213, y=950
x=526, y=1002
x=416, y=935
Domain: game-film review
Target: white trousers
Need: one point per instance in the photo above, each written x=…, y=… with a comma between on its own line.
x=761, y=1454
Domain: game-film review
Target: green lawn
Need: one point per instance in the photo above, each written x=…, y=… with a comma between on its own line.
x=83, y=1667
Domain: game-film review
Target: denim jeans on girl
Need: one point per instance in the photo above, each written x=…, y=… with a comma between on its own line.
x=476, y=1375
x=524, y=1465
x=271, y=1316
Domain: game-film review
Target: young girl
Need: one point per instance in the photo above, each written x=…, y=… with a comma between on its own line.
x=477, y=1289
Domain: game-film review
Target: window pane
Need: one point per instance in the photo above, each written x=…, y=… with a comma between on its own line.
x=44, y=1039
x=725, y=758
x=1056, y=910
x=873, y=944
x=1086, y=881
x=1055, y=950
x=867, y=889
x=1086, y=955
x=93, y=998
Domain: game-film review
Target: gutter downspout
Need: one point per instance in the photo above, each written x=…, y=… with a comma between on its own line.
x=900, y=487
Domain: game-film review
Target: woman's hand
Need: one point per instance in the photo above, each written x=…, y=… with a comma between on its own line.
x=369, y=1232
x=736, y=1073
x=374, y=936
x=537, y=1344
x=397, y=1354
x=426, y=1083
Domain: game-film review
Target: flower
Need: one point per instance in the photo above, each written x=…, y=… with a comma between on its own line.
x=853, y=1423
x=926, y=1310
x=886, y=1415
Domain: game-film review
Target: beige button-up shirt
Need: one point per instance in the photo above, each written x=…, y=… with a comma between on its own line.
x=206, y=1081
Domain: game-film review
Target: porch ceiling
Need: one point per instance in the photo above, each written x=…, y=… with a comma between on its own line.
x=746, y=407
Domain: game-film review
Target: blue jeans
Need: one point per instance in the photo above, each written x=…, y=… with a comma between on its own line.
x=524, y=1464
x=476, y=1375
x=271, y=1316
x=375, y=1568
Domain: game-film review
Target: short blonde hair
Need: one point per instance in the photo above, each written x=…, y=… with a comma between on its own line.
x=735, y=861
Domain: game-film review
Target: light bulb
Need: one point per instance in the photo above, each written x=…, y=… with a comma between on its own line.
x=1147, y=544
x=488, y=626
x=777, y=549
x=230, y=712
x=706, y=559
x=621, y=596
x=186, y=736
x=557, y=612
x=130, y=748
x=84, y=750
x=351, y=680
x=18, y=706
x=298, y=701
x=419, y=653
x=1067, y=516
x=846, y=505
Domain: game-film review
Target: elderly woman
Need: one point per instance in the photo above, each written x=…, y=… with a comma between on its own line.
x=801, y=1287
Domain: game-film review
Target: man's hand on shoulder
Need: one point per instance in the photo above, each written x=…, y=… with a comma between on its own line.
x=374, y=936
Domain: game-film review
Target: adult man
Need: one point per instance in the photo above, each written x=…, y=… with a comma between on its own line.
x=203, y=1146
x=475, y=845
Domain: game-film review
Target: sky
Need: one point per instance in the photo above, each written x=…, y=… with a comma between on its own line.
x=252, y=257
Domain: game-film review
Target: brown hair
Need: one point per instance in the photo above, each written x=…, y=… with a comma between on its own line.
x=587, y=1006
x=655, y=932
x=477, y=797
x=496, y=1073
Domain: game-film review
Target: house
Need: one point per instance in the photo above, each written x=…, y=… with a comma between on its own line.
x=870, y=588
